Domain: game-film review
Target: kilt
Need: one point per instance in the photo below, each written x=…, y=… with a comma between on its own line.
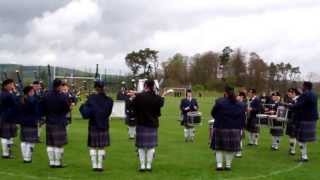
x=146, y=137
x=98, y=138
x=56, y=135
x=306, y=131
x=8, y=130
x=291, y=129
x=276, y=132
x=29, y=134
x=252, y=125
x=226, y=140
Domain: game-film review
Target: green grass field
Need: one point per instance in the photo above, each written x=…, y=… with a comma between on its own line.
x=175, y=159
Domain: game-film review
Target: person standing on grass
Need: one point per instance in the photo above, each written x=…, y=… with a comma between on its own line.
x=8, y=117
x=306, y=108
x=229, y=115
x=56, y=106
x=254, y=107
x=188, y=104
x=293, y=94
x=98, y=109
x=29, y=116
x=147, y=106
x=242, y=99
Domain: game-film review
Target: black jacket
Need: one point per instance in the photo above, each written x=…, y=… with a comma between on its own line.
x=147, y=107
x=307, y=107
x=56, y=106
x=229, y=114
x=98, y=109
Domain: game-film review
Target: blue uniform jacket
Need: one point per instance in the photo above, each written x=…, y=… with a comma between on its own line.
x=229, y=114
x=29, y=112
x=97, y=109
x=56, y=106
x=8, y=107
x=307, y=107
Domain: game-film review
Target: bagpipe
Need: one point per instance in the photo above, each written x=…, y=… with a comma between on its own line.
x=19, y=84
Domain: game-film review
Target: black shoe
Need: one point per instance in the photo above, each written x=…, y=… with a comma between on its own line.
x=61, y=166
x=291, y=153
x=7, y=157
x=27, y=162
x=100, y=170
x=227, y=168
x=250, y=144
x=219, y=169
x=303, y=160
x=142, y=170
x=149, y=170
x=52, y=166
x=274, y=149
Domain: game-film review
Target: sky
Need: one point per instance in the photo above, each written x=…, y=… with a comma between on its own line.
x=82, y=33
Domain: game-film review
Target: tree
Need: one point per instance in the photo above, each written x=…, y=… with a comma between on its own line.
x=257, y=72
x=239, y=67
x=175, y=71
x=145, y=60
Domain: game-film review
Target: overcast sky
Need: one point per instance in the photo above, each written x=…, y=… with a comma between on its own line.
x=81, y=33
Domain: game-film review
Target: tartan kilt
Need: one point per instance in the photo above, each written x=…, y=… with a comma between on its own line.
x=146, y=137
x=98, y=138
x=226, y=140
x=8, y=130
x=56, y=135
x=306, y=131
x=291, y=129
x=252, y=125
x=29, y=134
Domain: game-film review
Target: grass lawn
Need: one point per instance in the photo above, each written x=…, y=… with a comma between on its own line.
x=175, y=159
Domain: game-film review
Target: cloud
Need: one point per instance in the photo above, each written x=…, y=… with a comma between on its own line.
x=81, y=33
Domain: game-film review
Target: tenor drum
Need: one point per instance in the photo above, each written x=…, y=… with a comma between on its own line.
x=194, y=118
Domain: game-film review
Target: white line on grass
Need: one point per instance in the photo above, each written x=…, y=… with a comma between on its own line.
x=25, y=176
x=273, y=173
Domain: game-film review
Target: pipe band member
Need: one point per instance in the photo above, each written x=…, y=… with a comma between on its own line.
x=306, y=109
x=293, y=95
x=98, y=109
x=29, y=116
x=229, y=115
x=254, y=107
x=276, y=133
x=56, y=106
x=8, y=118
x=130, y=118
x=188, y=104
x=242, y=99
x=147, y=106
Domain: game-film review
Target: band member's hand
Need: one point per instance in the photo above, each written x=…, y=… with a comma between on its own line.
x=195, y=107
x=186, y=109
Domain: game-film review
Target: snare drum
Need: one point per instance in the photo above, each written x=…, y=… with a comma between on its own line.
x=263, y=120
x=194, y=118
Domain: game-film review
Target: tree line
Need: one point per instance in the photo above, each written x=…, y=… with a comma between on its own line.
x=213, y=70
